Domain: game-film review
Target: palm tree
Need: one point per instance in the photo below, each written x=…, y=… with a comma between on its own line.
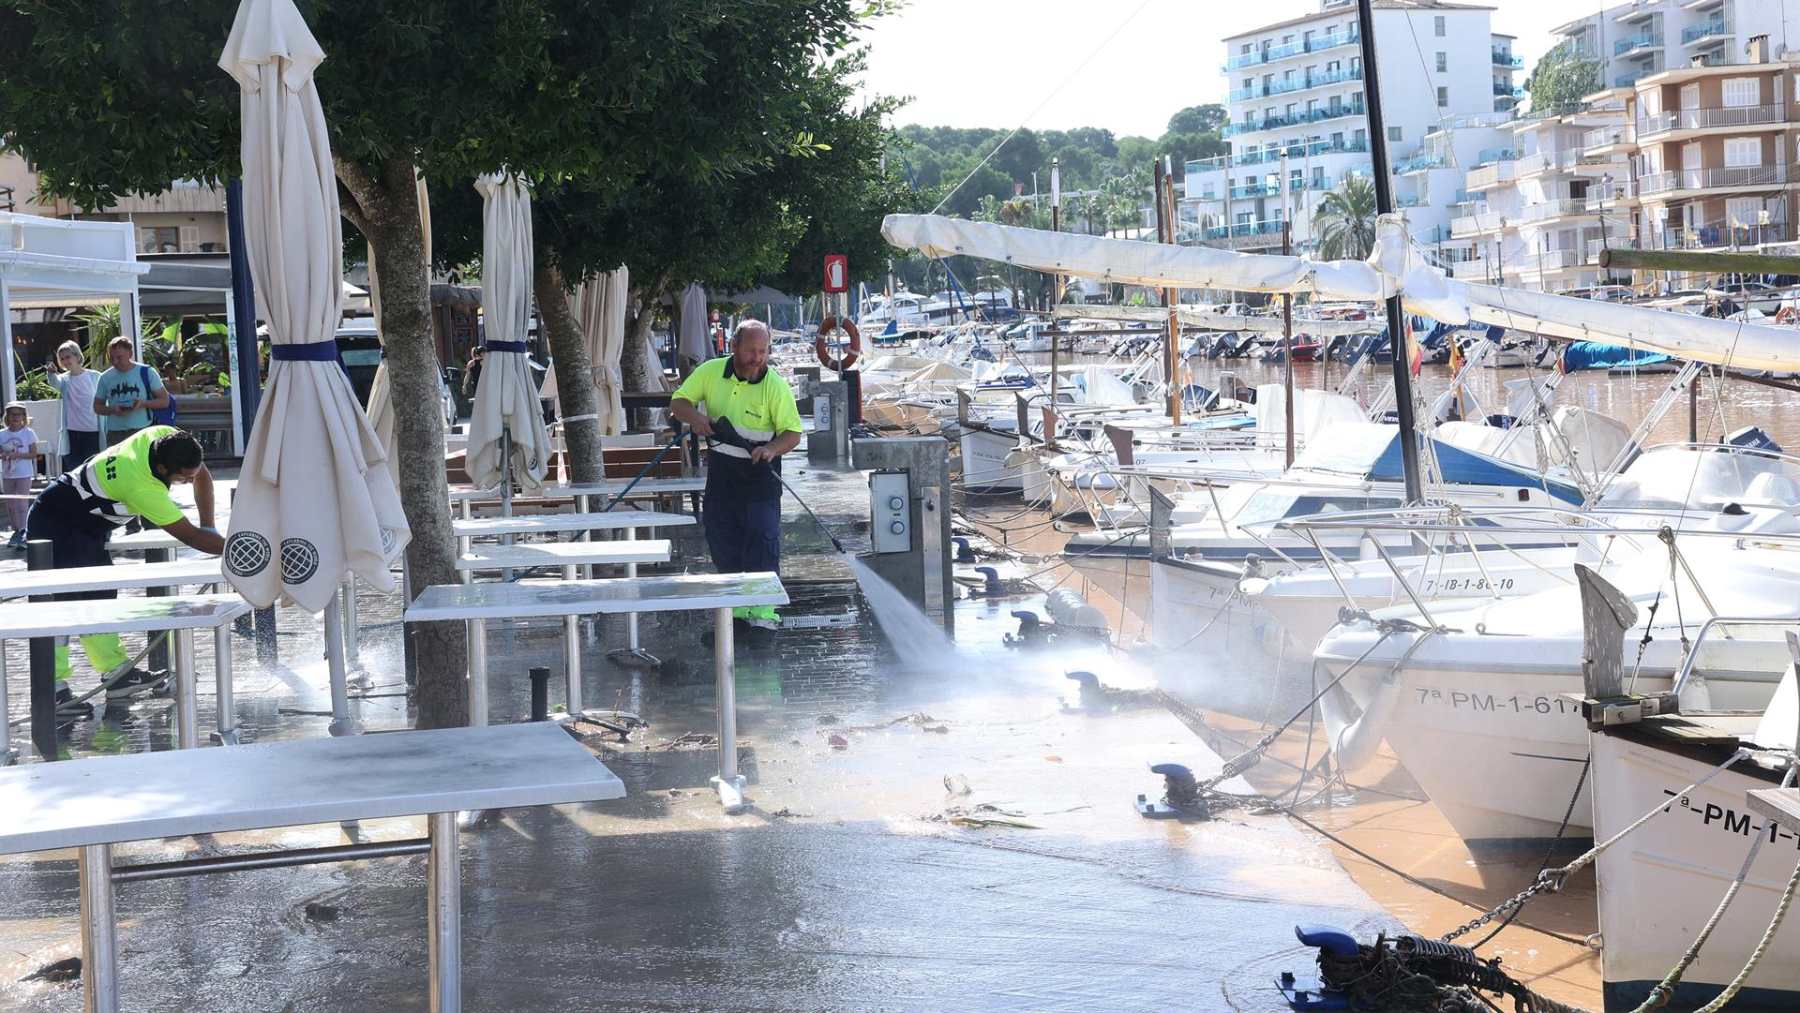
x=1345, y=220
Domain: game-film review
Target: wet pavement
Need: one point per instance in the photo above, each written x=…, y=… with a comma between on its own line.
x=953, y=838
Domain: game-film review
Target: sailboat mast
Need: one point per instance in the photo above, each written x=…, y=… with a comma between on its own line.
x=1384, y=205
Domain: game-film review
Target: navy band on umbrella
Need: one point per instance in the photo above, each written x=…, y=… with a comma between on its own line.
x=506, y=346
x=310, y=351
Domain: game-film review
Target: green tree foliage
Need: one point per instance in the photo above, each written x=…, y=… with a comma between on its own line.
x=1345, y=220
x=110, y=99
x=938, y=158
x=1561, y=78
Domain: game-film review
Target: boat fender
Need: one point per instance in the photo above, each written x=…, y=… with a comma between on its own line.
x=822, y=349
x=1068, y=608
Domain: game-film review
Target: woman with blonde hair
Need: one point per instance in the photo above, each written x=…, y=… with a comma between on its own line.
x=80, y=426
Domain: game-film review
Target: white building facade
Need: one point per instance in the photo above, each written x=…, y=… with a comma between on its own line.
x=1635, y=40
x=1296, y=90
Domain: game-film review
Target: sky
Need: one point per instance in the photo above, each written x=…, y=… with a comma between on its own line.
x=1125, y=65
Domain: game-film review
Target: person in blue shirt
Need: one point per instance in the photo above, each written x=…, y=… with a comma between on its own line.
x=126, y=392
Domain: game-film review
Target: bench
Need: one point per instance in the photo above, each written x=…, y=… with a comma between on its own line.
x=475, y=604
x=99, y=803
x=582, y=494
x=182, y=615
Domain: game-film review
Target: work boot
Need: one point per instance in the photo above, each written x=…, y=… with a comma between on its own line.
x=136, y=683
x=70, y=709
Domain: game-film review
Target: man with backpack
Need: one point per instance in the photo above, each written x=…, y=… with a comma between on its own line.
x=129, y=395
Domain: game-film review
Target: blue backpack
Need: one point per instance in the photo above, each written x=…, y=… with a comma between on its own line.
x=158, y=416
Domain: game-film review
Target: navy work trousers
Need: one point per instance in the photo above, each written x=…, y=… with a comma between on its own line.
x=743, y=535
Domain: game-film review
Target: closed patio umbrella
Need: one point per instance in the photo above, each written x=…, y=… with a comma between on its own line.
x=600, y=308
x=506, y=410
x=692, y=341
x=314, y=499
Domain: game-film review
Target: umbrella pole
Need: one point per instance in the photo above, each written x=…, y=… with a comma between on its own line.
x=506, y=487
x=341, y=721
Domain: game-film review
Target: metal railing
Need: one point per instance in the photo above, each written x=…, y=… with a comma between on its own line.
x=1704, y=179
x=1314, y=45
x=1715, y=116
x=1491, y=175
x=1703, y=30
x=1468, y=225
x=1502, y=58
x=1627, y=80
x=1302, y=83
x=1601, y=197
x=1605, y=136
x=1554, y=209
x=1297, y=119
x=1645, y=39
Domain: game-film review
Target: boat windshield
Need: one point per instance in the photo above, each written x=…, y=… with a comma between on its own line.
x=1710, y=477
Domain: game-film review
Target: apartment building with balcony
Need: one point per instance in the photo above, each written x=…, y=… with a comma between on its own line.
x=1712, y=152
x=189, y=217
x=1539, y=213
x=1635, y=40
x=1296, y=90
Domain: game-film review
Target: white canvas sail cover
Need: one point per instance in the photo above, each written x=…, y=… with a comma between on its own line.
x=1397, y=265
x=1192, y=316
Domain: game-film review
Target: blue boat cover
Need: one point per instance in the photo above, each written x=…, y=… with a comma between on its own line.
x=1595, y=355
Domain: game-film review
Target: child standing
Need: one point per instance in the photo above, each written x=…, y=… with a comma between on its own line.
x=18, y=464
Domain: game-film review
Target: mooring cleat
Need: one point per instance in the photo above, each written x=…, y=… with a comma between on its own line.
x=1181, y=796
x=1092, y=694
x=992, y=588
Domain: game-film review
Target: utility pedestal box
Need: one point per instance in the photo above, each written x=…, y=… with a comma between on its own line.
x=830, y=436
x=911, y=540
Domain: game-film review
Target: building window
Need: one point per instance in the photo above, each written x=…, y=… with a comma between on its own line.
x=1443, y=62
x=1394, y=134
x=1743, y=151
x=1318, y=177
x=1742, y=91
x=1443, y=97
x=1244, y=50
x=1437, y=26
x=1743, y=212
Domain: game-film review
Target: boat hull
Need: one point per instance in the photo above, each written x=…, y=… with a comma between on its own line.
x=1660, y=884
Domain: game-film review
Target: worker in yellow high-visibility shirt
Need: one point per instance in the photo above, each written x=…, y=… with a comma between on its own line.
x=743, y=475
x=77, y=514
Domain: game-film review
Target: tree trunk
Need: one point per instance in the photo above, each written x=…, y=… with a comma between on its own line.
x=576, y=397
x=637, y=339
x=386, y=210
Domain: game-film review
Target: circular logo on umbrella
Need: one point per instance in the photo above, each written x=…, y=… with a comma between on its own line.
x=299, y=560
x=246, y=554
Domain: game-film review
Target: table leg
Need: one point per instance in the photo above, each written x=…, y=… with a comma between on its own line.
x=462, y=548
x=341, y=721
x=158, y=659
x=187, y=710
x=572, y=654
x=227, y=717
x=729, y=783
x=582, y=503
x=443, y=885
x=478, y=701
x=7, y=756
x=633, y=653
x=99, y=943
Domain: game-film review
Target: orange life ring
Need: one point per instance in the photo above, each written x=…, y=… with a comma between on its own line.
x=823, y=351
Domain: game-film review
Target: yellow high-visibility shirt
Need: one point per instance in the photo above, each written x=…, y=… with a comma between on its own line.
x=759, y=409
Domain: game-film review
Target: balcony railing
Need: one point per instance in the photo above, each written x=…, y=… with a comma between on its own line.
x=1491, y=175
x=1627, y=80
x=1419, y=164
x=1301, y=83
x=1479, y=222
x=1708, y=236
x=1502, y=58
x=1600, y=198
x=1243, y=229
x=1703, y=30
x=1268, y=156
x=1558, y=208
x=1645, y=40
x=1298, y=119
x=1717, y=116
x=1547, y=161
x=1606, y=136
x=1313, y=45
x=1469, y=269
x=1705, y=179
x=1550, y=260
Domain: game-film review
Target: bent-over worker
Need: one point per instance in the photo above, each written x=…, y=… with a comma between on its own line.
x=77, y=514
x=743, y=485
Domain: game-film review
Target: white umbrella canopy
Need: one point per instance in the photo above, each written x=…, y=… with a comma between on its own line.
x=600, y=308
x=313, y=499
x=691, y=337
x=506, y=399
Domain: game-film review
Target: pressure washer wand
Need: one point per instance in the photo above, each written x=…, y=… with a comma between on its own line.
x=726, y=433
